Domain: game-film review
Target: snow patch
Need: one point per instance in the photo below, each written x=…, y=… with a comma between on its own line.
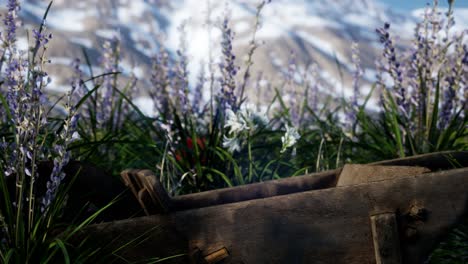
x=106, y=33
x=87, y=43
x=146, y=106
x=322, y=45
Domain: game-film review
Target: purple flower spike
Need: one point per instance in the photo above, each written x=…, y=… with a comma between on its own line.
x=393, y=67
x=198, y=95
x=228, y=68
x=10, y=21
x=351, y=115
x=160, y=73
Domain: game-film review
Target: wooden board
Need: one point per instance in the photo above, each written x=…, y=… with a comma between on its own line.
x=321, y=226
x=358, y=173
x=151, y=190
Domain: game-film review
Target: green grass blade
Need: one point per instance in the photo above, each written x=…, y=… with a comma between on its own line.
x=63, y=248
x=433, y=131
x=222, y=175
x=4, y=103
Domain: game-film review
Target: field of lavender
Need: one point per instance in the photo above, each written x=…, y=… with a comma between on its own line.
x=198, y=142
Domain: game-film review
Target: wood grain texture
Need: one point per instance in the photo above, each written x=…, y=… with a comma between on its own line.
x=386, y=238
x=358, y=173
x=444, y=160
x=319, y=226
x=330, y=225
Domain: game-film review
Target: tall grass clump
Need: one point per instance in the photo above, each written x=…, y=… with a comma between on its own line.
x=27, y=215
x=227, y=140
x=223, y=141
x=423, y=94
x=33, y=201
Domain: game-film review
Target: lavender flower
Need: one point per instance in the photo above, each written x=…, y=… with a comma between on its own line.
x=26, y=100
x=110, y=62
x=426, y=60
x=3, y=231
x=450, y=20
x=160, y=80
x=294, y=101
x=10, y=22
x=315, y=83
x=448, y=103
x=9, y=40
x=130, y=91
x=252, y=47
x=181, y=73
x=62, y=154
x=76, y=82
x=351, y=115
x=464, y=101
x=357, y=74
x=432, y=67
x=41, y=38
x=394, y=66
x=259, y=85
x=228, y=68
x=198, y=95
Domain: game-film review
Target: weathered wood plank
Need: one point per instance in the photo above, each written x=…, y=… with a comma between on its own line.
x=315, y=181
x=359, y=173
x=266, y=189
x=331, y=224
x=386, y=238
x=444, y=160
x=321, y=226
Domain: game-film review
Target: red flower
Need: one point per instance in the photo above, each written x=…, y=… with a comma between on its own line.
x=187, y=153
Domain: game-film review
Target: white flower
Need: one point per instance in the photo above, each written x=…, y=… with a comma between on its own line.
x=232, y=144
x=75, y=136
x=252, y=116
x=245, y=122
x=235, y=123
x=290, y=138
x=260, y=119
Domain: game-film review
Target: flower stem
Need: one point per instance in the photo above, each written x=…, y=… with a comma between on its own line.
x=250, y=159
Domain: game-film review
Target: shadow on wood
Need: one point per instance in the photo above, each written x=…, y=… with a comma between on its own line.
x=308, y=219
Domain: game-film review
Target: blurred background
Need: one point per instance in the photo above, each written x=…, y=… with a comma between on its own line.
x=313, y=36
x=403, y=5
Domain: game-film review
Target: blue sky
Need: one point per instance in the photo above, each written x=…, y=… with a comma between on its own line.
x=406, y=5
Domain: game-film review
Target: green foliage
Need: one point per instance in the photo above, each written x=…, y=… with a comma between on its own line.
x=209, y=146
x=453, y=249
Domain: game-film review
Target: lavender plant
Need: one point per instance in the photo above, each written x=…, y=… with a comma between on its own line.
x=8, y=46
x=351, y=115
x=252, y=47
x=22, y=210
x=181, y=72
x=228, y=69
x=29, y=213
x=160, y=79
x=423, y=105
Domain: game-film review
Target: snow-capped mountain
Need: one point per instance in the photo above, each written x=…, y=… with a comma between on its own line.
x=316, y=31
